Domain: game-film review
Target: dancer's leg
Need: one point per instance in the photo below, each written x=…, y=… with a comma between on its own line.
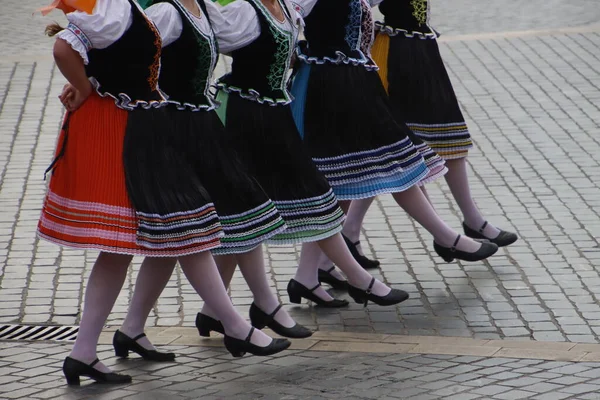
x=226, y=265
x=414, y=202
x=335, y=249
x=102, y=290
x=458, y=181
x=151, y=280
x=252, y=265
x=201, y=271
x=426, y=194
x=354, y=220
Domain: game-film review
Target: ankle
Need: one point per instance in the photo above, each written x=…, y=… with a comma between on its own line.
x=131, y=331
x=86, y=358
x=351, y=233
x=474, y=221
x=267, y=305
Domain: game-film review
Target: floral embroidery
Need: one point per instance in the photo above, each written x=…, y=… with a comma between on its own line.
x=367, y=37
x=155, y=66
x=420, y=11
x=354, y=22
x=87, y=43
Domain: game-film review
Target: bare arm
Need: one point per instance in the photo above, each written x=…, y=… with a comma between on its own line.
x=71, y=66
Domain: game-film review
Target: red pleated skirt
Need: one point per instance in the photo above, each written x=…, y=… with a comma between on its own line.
x=87, y=205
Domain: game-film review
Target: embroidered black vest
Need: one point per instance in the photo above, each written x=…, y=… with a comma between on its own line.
x=407, y=17
x=189, y=62
x=338, y=31
x=259, y=71
x=128, y=69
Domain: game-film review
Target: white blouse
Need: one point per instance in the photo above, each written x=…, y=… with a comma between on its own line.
x=236, y=25
x=304, y=7
x=169, y=24
x=107, y=23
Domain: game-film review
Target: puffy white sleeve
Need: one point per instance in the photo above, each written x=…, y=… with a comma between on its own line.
x=235, y=25
x=304, y=7
x=167, y=20
x=375, y=3
x=107, y=23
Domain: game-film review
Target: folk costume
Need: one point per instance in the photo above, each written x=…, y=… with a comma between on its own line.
x=195, y=146
x=342, y=109
x=259, y=124
x=416, y=79
x=88, y=204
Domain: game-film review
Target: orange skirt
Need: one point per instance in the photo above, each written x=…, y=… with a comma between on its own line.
x=87, y=205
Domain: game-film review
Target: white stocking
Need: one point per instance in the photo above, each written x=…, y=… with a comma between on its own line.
x=103, y=288
x=458, y=182
x=201, y=271
x=354, y=220
x=152, y=278
x=414, y=202
x=335, y=248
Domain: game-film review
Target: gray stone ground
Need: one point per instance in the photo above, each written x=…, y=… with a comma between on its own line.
x=30, y=372
x=532, y=103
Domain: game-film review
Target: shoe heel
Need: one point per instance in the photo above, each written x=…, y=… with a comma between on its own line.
x=295, y=298
x=204, y=331
x=73, y=380
x=121, y=350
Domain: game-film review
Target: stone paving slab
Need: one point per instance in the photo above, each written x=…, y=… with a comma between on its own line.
x=33, y=371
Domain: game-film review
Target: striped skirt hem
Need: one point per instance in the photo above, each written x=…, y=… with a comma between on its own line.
x=309, y=219
x=434, y=162
x=363, y=166
x=246, y=231
x=383, y=185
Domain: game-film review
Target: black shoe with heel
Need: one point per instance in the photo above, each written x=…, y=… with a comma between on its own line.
x=123, y=344
x=449, y=254
x=260, y=319
x=297, y=291
x=206, y=324
x=503, y=239
x=364, y=262
x=395, y=296
x=326, y=276
x=239, y=347
x=74, y=370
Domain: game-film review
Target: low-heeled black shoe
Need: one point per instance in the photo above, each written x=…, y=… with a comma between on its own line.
x=325, y=276
x=449, y=254
x=206, y=324
x=297, y=291
x=503, y=239
x=260, y=319
x=239, y=347
x=123, y=344
x=364, y=262
x=74, y=369
x=395, y=296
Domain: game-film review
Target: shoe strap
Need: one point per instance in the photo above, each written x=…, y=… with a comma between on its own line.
x=272, y=316
x=316, y=287
x=96, y=361
x=453, y=248
x=250, y=335
x=330, y=270
x=356, y=243
x=483, y=227
x=368, y=291
x=138, y=337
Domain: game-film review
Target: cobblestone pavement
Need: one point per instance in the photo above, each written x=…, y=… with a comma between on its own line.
x=532, y=102
x=32, y=372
